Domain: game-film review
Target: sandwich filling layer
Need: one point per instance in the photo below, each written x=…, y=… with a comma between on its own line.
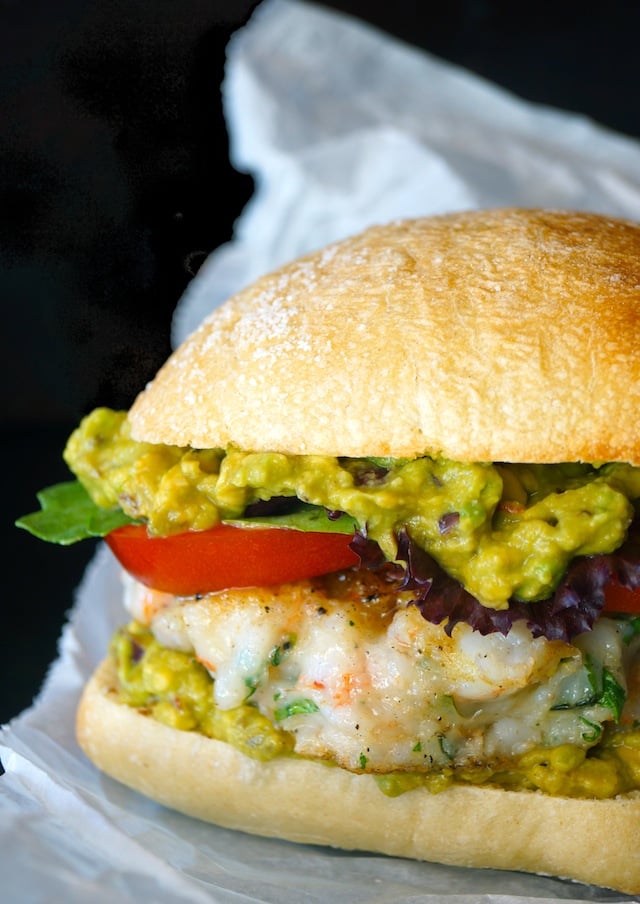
x=342, y=668
x=502, y=531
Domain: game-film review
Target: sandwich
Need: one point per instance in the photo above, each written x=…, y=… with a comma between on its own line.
x=377, y=525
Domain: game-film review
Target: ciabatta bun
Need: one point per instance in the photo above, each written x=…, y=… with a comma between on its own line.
x=591, y=841
x=504, y=335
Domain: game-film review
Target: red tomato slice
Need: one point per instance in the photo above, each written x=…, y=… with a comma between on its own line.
x=620, y=599
x=226, y=556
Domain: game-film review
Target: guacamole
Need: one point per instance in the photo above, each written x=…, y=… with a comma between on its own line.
x=502, y=530
x=172, y=687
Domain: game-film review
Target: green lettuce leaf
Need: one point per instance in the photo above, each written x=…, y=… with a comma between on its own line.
x=68, y=514
x=304, y=517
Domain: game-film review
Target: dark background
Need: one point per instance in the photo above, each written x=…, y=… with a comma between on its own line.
x=115, y=182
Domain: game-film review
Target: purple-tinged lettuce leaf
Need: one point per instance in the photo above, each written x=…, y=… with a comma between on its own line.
x=571, y=610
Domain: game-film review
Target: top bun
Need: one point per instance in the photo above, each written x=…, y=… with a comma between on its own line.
x=499, y=335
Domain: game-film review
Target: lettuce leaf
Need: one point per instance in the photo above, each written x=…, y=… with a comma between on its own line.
x=572, y=609
x=68, y=514
x=303, y=517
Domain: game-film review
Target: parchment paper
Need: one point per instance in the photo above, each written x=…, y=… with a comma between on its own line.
x=341, y=127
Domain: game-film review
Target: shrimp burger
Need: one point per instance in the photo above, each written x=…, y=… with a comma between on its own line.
x=377, y=522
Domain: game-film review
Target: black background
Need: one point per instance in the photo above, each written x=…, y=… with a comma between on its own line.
x=115, y=182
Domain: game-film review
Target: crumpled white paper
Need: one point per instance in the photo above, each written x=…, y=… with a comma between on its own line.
x=341, y=126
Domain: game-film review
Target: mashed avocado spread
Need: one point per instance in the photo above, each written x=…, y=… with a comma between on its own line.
x=172, y=687
x=502, y=530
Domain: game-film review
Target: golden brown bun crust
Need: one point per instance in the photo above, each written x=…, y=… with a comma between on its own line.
x=594, y=842
x=501, y=335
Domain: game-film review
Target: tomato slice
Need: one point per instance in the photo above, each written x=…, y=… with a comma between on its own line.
x=620, y=599
x=226, y=556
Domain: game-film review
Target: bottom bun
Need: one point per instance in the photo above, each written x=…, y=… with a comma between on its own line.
x=591, y=841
